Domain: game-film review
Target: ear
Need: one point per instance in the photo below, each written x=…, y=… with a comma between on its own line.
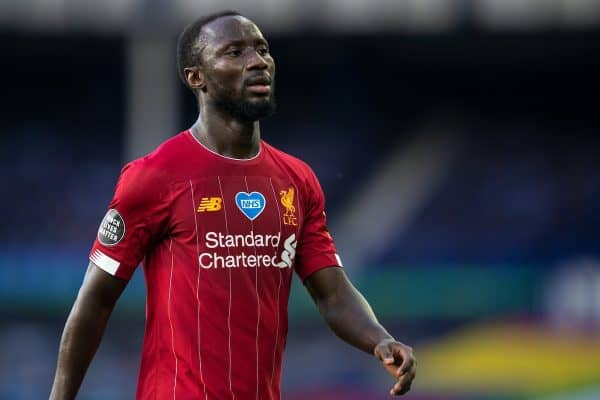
x=195, y=78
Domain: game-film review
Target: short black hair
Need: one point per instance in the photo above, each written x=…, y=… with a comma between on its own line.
x=187, y=53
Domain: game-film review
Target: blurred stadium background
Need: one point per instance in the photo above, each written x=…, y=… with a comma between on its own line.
x=456, y=140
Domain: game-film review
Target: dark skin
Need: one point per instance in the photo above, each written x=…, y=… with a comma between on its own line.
x=84, y=329
x=233, y=51
x=235, y=62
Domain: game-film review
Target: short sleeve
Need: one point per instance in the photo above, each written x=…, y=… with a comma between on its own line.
x=316, y=249
x=135, y=219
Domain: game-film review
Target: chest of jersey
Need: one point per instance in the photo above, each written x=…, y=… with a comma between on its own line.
x=238, y=221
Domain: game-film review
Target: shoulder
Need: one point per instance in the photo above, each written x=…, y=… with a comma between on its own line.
x=301, y=173
x=149, y=177
x=290, y=162
x=160, y=162
x=167, y=153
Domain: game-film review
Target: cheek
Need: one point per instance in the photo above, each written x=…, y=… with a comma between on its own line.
x=224, y=86
x=227, y=75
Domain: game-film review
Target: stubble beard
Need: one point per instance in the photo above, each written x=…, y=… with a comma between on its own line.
x=244, y=110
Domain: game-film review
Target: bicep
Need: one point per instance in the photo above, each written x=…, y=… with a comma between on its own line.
x=327, y=283
x=100, y=288
x=316, y=249
x=137, y=216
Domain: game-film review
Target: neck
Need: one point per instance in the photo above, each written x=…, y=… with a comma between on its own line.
x=227, y=136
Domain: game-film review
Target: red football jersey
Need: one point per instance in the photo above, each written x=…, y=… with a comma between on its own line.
x=218, y=238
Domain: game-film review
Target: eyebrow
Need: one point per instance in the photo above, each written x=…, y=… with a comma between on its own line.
x=239, y=42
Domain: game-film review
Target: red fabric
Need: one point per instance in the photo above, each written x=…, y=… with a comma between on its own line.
x=216, y=322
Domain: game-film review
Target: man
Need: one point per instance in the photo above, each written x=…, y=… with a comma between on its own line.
x=220, y=220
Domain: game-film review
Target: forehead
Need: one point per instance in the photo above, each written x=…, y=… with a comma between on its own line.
x=229, y=29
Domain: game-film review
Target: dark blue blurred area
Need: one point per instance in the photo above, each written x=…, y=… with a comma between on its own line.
x=518, y=195
x=61, y=143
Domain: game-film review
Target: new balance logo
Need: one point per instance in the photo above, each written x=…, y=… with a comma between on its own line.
x=210, y=204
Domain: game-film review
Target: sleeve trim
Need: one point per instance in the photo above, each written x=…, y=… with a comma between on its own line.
x=105, y=262
x=317, y=262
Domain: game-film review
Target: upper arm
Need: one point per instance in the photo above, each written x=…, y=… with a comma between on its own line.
x=136, y=218
x=327, y=284
x=316, y=249
x=99, y=289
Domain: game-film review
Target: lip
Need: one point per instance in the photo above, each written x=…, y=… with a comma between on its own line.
x=259, y=89
x=260, y=84
x=262, y=80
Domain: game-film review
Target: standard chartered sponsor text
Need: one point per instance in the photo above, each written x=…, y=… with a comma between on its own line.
x=256, y=259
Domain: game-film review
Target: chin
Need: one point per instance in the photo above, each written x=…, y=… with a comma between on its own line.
x=248, y=109
x=258, y=109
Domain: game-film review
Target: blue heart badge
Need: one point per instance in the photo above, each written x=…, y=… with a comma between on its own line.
x=250, y=204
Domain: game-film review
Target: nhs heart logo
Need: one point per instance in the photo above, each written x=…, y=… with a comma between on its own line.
x=250, y=204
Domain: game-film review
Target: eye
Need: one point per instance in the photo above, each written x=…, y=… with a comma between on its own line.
x=233, y=53
x=263, y=50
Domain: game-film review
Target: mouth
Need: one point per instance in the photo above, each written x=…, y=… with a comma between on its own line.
x=259, y=84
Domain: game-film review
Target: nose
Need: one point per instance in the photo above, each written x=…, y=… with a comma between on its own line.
x=256, y=61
